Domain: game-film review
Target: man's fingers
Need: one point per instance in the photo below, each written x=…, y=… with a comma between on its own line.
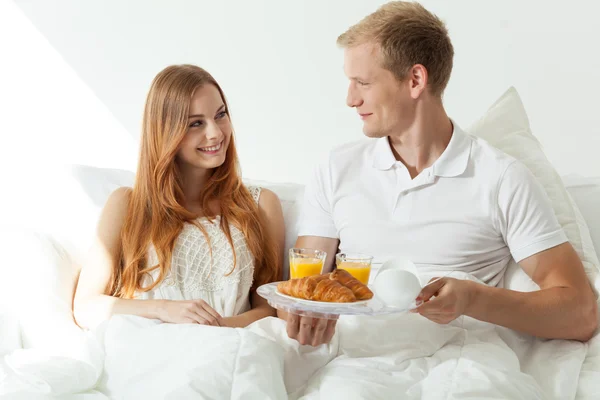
x=319, y=331
x=330, y=331
x=292, y=325
x=437, y=319
x=310, y=331
x=431, y=307
x=305, y=330
x=431, y=289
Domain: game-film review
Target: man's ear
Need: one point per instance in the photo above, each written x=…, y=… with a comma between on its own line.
x=417, y=80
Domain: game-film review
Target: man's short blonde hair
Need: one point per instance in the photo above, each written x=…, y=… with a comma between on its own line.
x=407, y=34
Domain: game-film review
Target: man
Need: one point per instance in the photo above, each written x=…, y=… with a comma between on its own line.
x=424, y=189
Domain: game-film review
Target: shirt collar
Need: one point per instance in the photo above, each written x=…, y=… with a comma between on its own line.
x=383, y=158
x=452, y=162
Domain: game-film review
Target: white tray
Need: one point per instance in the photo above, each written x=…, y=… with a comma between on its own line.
x=319, y=309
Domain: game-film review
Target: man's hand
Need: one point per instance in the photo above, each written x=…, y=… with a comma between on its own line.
x=452, y=298
x=308, y=330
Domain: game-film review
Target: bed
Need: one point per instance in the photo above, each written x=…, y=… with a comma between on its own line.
x=43, y=355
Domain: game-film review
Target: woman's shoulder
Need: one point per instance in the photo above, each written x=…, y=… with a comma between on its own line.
x=265, y=198
x=262, y=196
x=118, y=202
x=113, y=216
x=268, y=201
x=120, y=196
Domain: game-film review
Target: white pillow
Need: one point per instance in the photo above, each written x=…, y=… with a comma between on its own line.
x=99, y=183
x=291, y=196
x=586, y=193
x=43, y=247
x=10, y=332
x=37, y=285
x=506, y=126
x=92, y=187
x=63, y=202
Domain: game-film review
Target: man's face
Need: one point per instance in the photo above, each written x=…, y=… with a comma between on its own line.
x=383, y=102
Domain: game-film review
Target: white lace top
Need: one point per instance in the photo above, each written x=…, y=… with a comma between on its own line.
x=194, y=275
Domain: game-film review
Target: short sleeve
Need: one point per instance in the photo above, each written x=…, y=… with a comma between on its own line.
x=317, y=218
x=526, y=218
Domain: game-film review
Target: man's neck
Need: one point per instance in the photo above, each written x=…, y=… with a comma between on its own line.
x=419, y=146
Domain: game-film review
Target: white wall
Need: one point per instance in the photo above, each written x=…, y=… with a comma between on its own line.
x=48, y=114
x=279, y=66
x=48, y=117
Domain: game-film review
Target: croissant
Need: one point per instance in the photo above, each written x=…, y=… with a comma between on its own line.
x=317, y=288
x=333, y=291
x=360, y=290
x=302, y=288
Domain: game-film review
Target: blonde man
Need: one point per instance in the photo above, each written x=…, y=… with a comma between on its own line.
x=425, y=189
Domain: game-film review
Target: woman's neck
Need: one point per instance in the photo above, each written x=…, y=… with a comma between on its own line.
x=192, y=183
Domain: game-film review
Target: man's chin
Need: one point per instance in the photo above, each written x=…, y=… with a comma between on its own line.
x=372, y=134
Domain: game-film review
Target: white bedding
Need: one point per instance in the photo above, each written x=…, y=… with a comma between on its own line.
x=136, y=358
x=404, y=356
x=588, y=387
x=413, y=358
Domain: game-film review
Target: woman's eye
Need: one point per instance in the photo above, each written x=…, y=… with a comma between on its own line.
x=361, y=83
x=196, y=124
x=222, y=114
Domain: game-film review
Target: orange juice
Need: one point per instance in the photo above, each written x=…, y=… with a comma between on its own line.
x=360, y=271
x=302, y=267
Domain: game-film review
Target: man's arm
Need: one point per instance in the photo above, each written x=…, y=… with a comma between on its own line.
x=328, y=245
x=317, y=231
x=564, y=307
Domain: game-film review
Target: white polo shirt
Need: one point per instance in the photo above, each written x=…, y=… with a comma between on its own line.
x=472, y=210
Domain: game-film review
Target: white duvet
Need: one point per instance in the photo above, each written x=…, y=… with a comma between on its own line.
x=403, y=356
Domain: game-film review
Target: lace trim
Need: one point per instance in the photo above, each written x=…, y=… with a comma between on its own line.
x=255, y=192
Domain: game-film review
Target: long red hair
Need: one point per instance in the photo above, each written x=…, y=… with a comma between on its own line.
x=155, y=214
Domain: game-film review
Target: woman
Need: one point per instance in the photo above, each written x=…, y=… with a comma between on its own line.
x=189, y=243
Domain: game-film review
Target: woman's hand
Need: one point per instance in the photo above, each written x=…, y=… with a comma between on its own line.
x=188, y=312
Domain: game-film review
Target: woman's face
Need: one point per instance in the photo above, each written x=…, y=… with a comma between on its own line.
x=209, y=131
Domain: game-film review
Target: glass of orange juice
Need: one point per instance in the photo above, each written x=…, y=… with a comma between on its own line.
x=306, y=262
x=358, y=265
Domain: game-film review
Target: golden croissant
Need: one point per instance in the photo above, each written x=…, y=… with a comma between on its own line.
x=360, y=290
x=317, y=288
